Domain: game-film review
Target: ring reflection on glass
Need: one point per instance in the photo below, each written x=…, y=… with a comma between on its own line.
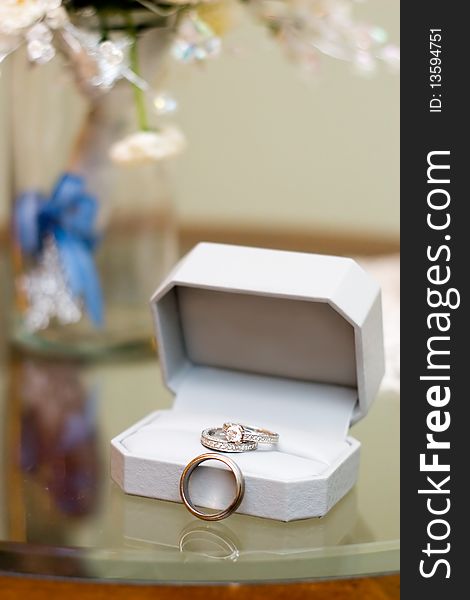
x=210, y=540
x=184, y=487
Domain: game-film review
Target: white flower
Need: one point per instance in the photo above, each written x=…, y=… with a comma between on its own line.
x=148, y=146
x=57, y=17
x=31, y=21
x=18, y=15
x=195, y=40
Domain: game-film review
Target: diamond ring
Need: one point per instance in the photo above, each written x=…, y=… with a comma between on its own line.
x=245, y=433
x=216, y=438
x=233, y=437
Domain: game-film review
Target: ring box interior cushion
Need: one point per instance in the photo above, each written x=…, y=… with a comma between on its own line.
x=286, y=341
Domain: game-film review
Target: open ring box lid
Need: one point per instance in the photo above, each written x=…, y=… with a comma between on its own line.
x=287, y=341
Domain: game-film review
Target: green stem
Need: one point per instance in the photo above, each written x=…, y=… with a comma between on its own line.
x=102, y=18
x=139, y=96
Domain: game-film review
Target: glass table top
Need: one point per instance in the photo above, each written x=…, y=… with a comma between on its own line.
x=61, y=514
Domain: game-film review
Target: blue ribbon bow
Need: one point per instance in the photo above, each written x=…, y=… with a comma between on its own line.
x=68, y=216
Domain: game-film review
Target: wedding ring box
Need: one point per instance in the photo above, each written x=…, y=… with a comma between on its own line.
x=286, y=341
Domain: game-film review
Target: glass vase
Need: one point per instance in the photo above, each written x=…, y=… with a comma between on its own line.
x=92, y=233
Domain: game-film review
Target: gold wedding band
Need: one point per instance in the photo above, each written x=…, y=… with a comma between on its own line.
x=239, y=482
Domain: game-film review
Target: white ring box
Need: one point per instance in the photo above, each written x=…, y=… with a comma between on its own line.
x=287, y=341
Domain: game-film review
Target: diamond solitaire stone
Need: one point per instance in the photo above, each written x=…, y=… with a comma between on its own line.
x=237, y=433
x=233, y=432
x=216, y=439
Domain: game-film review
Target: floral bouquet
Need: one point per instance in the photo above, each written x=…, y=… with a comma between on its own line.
x=56, y=229
x=102, y=56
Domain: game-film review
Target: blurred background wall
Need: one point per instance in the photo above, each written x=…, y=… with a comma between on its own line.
x=267, y=149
